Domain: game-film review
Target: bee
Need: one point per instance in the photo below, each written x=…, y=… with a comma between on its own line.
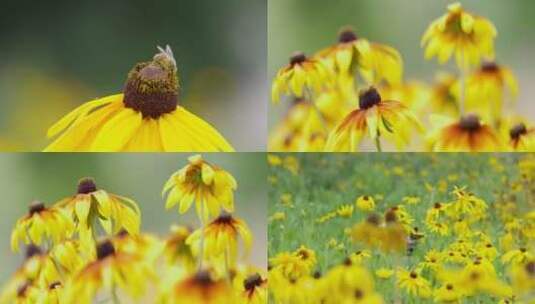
x=413, y=239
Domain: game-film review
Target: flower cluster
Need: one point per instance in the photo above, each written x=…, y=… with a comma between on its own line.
x=89, y=248
x=352, y=95
x=424, y=240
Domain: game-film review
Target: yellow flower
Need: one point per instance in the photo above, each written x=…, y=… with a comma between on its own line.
x=112, y=269
x=274, y=160
x=221, y=238
x=365, y=203
x=345, y=211
x=89, y=205
x=517, y=256
x=384, y=273
x=411, y=200
x=277, y=216
x=176, y=249
x=469, y=134
x=413, y=283
x=374, y=61
x=458, y=32
x=308, y=256
x=432, y=260
x=523, y=277
x=448, y=293
x=376, y=117
x=486, y=88
x=301, y=74
x=26, y=284
x=199, y=288
x=211, y=187
x=444, y=98
x=344, y=288
x=41, y=223
x=251, y=289
x=289, y=265
x=522, y=138
x=146, y=117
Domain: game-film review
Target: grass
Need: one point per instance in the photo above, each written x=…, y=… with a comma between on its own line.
x=324, y=182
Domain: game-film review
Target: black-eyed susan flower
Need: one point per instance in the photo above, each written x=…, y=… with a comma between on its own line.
x=25, y=285
x=199, y=288
x=221, y=239
x=176, y=249
x=343, y=287
x=91, y=205
x=413, y=283
x=365, y=203
x=448, y=293
x=374, y=61
x=303, y=74
x=110, y=271
x=209, y=186
x=289, y=265
x=375, y=117
x=521, y=138
x=487, y=88
x=251, y=288
x=468, y=134
x=469, y=37
x=41, y=223
x=444, y=95
x=146, y=117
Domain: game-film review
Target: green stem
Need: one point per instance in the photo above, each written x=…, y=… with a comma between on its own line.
x=114, y=297
x=201, y=245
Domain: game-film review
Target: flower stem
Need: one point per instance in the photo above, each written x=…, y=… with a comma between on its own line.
x=201, y=245
x=114, y=297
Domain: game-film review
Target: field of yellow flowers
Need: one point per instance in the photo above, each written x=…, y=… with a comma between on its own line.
x=401, y=228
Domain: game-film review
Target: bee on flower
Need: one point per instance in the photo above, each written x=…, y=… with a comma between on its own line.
x=145, y=117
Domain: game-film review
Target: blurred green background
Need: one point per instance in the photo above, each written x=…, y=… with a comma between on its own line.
x=49, y=177
x=310, y=25
x=58, y=54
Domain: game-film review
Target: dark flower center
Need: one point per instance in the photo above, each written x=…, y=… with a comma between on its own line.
x=86, y=185
x=390, y=217
x=438, y=206
x=373, y=219
x=32, y=250
x=36, y=207
x=517, y=131
x=347, y=261
x=359, y=294
x=303, y=254
x=347, y=35
x=252, y=282
x=203, y=278
x=449, y=287
x=105, y=249
x=489, y=67
x=317, y=274
x=369, y=98
x=152, y=87
x=530, y=268
x=413, y=275
x=298, y=58
x=224, y=218
x=523, y=249
x=470, y=122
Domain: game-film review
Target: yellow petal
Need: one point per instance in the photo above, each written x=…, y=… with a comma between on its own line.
x=117, y=131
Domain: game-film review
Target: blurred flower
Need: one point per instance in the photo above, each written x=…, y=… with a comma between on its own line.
x=458, y=32
x=365, y=203
x=112, y=269
x=301, y=74
x=40, y=223
x=145, y=118
x=209, y=186
x=469, y=134
x=374, y=61
x=221, y=239
x=199, y=288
